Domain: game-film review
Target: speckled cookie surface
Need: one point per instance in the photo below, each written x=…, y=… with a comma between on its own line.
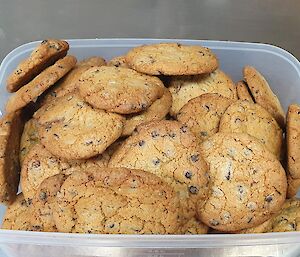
x=263, y=94
x=118, y=61
x=70, y=82
x=250, y=118
x=293, y=140
x=169, y=150
x=29, y=138
x=243, y=93
x=157, y=111
x=203, y=113
x=172, y=59
x=193, y=227
x=116, y=201
x=40, y=164
x=11, y=126
x=286, y=220
x=185, y=88
x=120, y=90
x=71, y=129
x=40, y=83
x=293, y=186
x=247, y=183
x=44, y=55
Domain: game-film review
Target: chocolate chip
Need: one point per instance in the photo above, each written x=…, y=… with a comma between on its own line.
x=43, y=196
x=57, y=136
x=228, y=175
x=89, y=142
x=207, y=107
x=188, y=174
x=36, y=164
x=90, y=177
x=237, y=120
x=154, y=134
x=184, y=129
x=111, y=225
x=44, y=41
x=144, y=106
x=201, y=53
x=214, y=222
x=172, y=134
x=141, y=143
x=269, y=198
x=156, y=161
x=193, y=189
x=240, y=189
x=36, y=227
x=89, y=231
x=250, y=220
x=203, y=133
x=53, y=94
x=195, y=157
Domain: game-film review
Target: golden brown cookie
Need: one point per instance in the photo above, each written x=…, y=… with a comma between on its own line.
x=70, y=82
x=40, y=83
x=185, y=88
x=250, y=118
x=157, y=111
x=203, y=113
x=286, y=220
x=193, y=227
x=243, y=91
x=44, y=55
x=120, y=90
x=11, y=126
x=116, y=201
x=40, y=164
x=247, y=183
x=293, y=186
x=29, y=138
x=172, y=59
x=70, y=128
x=263, y=94
x=169, y=150
x=118, y=61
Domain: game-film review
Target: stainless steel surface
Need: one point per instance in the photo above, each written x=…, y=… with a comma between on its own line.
x=270, y=21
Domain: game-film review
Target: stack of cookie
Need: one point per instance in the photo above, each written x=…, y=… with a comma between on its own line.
x=158, y=141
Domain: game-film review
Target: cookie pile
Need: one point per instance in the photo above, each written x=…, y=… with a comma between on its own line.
x=158, y=141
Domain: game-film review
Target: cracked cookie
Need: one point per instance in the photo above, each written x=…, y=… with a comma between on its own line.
x=203, y=113
x=172, y=59
x=120, y=90
x=70, y=128
x=169, y=150
x=250, y=118
x=185, y=88
x=247, y=183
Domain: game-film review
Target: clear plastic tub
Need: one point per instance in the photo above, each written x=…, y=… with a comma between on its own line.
x=280, y=68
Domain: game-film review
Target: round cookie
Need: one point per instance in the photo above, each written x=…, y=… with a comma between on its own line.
x=193, y=227
x=250, y=118
x=118, y=61
x=247, y=183
x=263, y=94
x=72, y=129
x=169, y=150
x=70, y=82
x=29, y=138
x=243, y=91
x=185, y=88
x=293, y=140
x=40, y=83
x=116, y=201
x=44, y=55
x=120, y=90
x=203, y=113
x=286, y=220
x=40, y=164
x=157, y=111
x=172, y=59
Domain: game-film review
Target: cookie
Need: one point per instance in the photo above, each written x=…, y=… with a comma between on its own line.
x=119, y=90
x=193, y=227
x=18, y=215
x=29, y=138
x=247, y=183
x=293, y=140
x=203, y=113
x=185, y=88
x=250, y=118
x=11, y=126
x=172, y=59
x=157, y=111
x=70, y=128
x=40, y=83
x=44, y=55
x=286, y=220
x=116, y=201
x=293, y=186
x=243, y=92
x=118, y=61
x=169, y=150
x=263, y=94
x=70, y=82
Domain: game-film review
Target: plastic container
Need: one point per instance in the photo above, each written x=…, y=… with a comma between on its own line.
x=280, y=68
